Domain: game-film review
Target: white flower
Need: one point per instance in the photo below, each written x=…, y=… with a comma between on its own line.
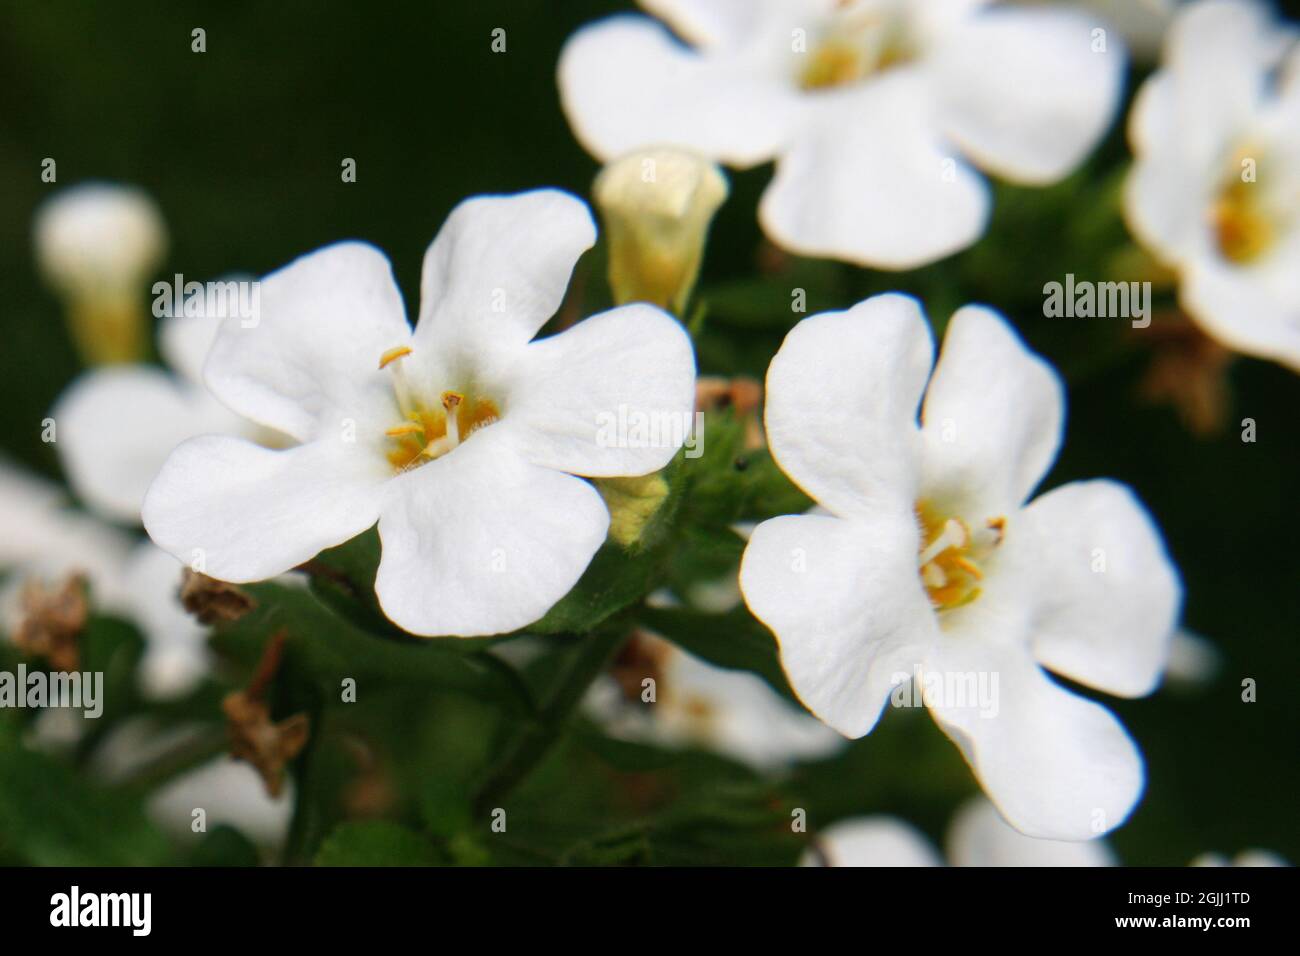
x=929, y=563
x=1142, y=22
x=461, y=438
x=96, y=244
x=46, y=541
x=977, y=836
x=1215, y=185
x=734, y=713
x=228, y=791
x=117, y=425
x=868, y=108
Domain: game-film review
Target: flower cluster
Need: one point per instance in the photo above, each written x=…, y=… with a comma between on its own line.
x=528, y=474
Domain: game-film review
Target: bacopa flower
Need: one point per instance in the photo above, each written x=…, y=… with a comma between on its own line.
x=660, y=694
x=462, y=437
x=927, y=563
x=1215, y=185
x=868, y=107
x=977, y=836
x=46, y=542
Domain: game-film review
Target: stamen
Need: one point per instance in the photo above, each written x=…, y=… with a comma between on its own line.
x=406, y=428
x=393, y=354
x=998, y=526
x=400, y=387
x=953, y=536
x=451, y=401
x=932, y=575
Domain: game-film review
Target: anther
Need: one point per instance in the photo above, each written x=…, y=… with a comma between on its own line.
x=400, y=387
x=953, y=536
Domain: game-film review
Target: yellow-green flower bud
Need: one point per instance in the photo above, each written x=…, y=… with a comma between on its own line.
x=657, y=206
x=96, y=245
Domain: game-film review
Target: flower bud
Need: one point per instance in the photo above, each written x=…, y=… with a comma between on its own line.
x=632, y=503
x=657, y=206
x=96, y=245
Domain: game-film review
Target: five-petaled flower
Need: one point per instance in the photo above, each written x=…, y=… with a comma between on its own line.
x=925, y=561
x=461, y=438
x=1215, y=187
x=870, y=108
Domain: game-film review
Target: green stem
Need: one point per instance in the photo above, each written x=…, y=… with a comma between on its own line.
x=188, y=755
x=533, y=740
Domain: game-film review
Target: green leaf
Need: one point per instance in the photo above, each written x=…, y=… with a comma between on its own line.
x=376, y=843
x=332, y=649
x=50, y=816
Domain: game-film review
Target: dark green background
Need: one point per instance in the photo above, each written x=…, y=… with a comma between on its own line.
x=242, y=145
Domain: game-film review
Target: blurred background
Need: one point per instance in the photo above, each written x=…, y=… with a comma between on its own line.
x=241, y=147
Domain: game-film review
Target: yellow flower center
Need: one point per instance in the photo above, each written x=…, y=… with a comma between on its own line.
x=951, y=557
x=429, y=431
x=859, y=45
x=1248, y=216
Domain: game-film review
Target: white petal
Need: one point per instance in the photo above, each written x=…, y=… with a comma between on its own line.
x=43, y=539
x=613, y=395
x=1024, y=92
x=712, y=22
x=1219, y=54
x=978, y=836
x=248, y=513
x=116, y=427
x=185, y=340
x=1252, y=310
x=626, y=83
x=312, y=358
x=482, y=542
x=1167, y=191
x=993, y=418
x=498, y=269
x=1259, y=858
x=872, y=841
x=845, y=602
x=698, y=704
x=229, y=792
x=737, y=714
x=842, y=396
x=1056, y=765
x=872, y=183
x=1108, y=595
x=176, y=654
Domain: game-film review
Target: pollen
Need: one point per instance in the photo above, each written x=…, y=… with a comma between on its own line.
x=857, y=46
x=430, y=428
x=952, y=558
x=1248, y=217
